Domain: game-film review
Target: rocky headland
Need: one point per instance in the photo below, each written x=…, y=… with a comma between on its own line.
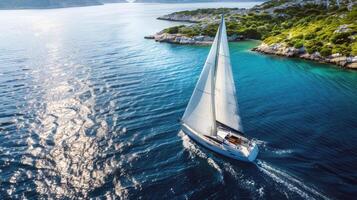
x=281, y=49
x=186, y=40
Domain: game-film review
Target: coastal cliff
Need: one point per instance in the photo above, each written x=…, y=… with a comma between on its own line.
x=309, y=29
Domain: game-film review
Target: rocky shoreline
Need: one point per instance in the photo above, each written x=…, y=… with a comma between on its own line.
x=348, y=62
x=182, y=39
x=188, y=19
x=203, y=19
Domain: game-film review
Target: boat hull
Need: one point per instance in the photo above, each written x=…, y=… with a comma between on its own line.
x=220, y=149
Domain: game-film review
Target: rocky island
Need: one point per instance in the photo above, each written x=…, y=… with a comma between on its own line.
x=323, y=31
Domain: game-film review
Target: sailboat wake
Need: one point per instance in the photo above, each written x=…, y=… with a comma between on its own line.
x=282, y=151
x=247, y=183
x=291, y=183
x=195, y=151
x=222, y=167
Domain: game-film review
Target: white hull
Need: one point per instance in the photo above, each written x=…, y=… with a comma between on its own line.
x=222, y=149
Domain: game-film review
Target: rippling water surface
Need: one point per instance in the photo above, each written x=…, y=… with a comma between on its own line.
x=88, y=108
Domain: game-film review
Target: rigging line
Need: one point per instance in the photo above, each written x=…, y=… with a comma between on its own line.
x=204, y=91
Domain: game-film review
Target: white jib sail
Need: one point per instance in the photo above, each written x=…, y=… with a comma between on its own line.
x=225, y=92
x=199, y=114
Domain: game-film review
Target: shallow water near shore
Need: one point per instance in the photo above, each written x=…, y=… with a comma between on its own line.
x=88, y=108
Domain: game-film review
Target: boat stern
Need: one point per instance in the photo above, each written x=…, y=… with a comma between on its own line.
x=253, y=153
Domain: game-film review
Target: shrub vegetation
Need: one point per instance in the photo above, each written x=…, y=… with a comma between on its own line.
x=315, y=27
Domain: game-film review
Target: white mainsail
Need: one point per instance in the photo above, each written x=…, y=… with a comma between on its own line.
x=214, y=95
x=225, y=92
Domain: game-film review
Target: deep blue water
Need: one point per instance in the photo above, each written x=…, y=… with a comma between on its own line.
x=88, y=108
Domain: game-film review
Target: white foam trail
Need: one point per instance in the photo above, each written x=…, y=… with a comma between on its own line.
x=261, y=192
x=121, y=191
x=229, y=168
x=190, y=146
x=283, y=151
x=262, y=144
x=293, y=184
x=245, y=182
x=195, y=151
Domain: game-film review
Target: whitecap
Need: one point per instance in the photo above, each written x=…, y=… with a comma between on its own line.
x=283, y=151
x=260, y=191
x=121, y=191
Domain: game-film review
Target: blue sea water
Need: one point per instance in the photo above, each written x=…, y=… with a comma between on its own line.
x=89, y=109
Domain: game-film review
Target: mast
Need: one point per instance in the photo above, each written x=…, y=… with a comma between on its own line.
x=214, y=129
x=226, y=105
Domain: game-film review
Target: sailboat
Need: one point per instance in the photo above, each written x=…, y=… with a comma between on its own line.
x=211, y=116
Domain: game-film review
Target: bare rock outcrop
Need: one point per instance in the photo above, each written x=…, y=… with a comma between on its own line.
x=281, y=49
x=183, y=39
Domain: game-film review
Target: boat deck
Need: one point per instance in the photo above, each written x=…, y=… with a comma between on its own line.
x=234, y=140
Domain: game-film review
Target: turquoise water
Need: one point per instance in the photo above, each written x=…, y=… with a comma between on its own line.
x=88, y=108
